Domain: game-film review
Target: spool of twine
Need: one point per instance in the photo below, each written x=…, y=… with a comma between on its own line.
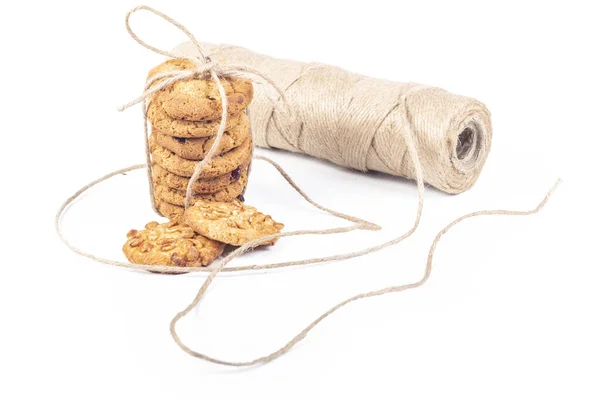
x=408, y=130
x=355, y=121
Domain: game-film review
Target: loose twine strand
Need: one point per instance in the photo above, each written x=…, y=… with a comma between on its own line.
x=390, y=289
x=215, y=70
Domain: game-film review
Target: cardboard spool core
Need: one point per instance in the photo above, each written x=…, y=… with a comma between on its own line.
x=465, y=142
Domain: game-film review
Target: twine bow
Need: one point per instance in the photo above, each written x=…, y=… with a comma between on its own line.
x=204, y=68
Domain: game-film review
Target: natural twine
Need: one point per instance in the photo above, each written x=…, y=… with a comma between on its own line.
x=206, y=67
x=361, y=122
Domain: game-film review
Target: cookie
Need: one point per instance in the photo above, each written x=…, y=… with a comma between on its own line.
x=171, y=243
x=234, y=223
x=197, y=148
x=160, y=176
x=219, y=165
x=198, y=99
x=177, y=197
x=161, y=122
x=168, y=210
x=173, y=212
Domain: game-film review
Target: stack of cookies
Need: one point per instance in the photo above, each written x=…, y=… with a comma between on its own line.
x=185, y=118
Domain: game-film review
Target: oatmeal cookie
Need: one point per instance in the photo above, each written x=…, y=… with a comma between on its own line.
x=198, y=99
x=219, y=165
x=171, y=243
x=234, y=223
x=162, y=122
x=177, y=197
x=161, y=176
x=168, y=210
x=197, y=148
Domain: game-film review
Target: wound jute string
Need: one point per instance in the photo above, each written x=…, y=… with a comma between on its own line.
x=408, y=130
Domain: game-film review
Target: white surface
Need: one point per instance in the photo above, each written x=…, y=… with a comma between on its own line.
x=511, y=310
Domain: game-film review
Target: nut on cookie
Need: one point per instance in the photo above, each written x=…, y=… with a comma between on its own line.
x=170, y=243
x=233, y=223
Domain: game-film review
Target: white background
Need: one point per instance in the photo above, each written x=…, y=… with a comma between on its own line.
x=511, y=310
